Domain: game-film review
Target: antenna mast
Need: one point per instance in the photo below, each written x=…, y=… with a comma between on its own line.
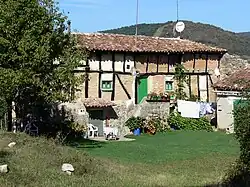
x=137, y=12
x=177, y=7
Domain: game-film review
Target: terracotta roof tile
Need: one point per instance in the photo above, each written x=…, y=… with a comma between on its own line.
x=129, y=43
x=97, y=102
x=238, y=81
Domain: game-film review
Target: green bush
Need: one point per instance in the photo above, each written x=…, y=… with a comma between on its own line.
x=239, y=175
x=134, y=123
x=178, y=122
x=3, y=107
x=159, y=124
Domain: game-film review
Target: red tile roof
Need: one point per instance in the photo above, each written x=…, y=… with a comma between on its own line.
x=238, y=81
x=129, y=43
x=97, y=102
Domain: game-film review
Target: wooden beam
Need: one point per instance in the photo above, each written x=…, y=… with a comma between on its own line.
x=189, y=85
x=168, y=63
x=210, y=78
x=87, y=79
x=100, y=77
x=113, y=79
x=198, y=86
x=157, y=65
x=136, y=90
x=147, y=63
x=172, y=73
x=194, y=61
x=97, y=71
x=124, y=62
x=207, y=88
x=123, y=87
x=206, y=62
x=134, y=61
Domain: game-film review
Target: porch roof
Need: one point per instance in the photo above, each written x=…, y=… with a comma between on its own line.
x=238, y=81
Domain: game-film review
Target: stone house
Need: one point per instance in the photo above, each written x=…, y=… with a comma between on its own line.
x=229, y=92
x=123, y=67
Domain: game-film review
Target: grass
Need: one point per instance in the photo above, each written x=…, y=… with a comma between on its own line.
x=172, y=159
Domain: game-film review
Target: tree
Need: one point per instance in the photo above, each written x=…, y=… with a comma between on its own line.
x=32, y=38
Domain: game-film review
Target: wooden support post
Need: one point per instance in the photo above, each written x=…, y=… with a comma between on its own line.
x=168, y=63
x=157, y=65
x=207, y=88
x=113, y=79
x=147, y=63
x=198, y=86
x=100, y=77
x=87, y=79
x=194, y=62
x=189, y=85
x=206, y=63
x=124, y=62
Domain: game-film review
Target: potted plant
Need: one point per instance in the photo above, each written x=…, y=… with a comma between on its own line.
x=135, y=124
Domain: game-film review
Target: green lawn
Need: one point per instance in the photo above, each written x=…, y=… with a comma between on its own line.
x=169, y=147
x=172, y=159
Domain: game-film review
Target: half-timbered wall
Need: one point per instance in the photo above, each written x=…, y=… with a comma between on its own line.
x=109, y=74
x=109, y=77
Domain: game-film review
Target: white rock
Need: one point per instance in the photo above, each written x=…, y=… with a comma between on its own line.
x=67, y=167
x=4, y=168
x=12, y=144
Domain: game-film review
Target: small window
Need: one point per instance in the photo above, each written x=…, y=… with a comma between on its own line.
x=169, y=85
x=107, y=86
x=128, y=66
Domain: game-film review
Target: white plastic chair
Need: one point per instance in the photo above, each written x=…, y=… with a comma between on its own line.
x=92, y=131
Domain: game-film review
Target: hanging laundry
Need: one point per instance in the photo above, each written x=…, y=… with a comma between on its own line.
x=189, y=109
x=205, y=108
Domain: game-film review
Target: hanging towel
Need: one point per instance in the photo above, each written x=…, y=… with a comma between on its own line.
x=189, y=109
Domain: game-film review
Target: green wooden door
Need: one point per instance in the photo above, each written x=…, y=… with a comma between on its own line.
x=142, y=88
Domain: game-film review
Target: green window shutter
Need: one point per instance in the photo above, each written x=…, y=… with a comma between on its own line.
x=169, y=85
x=107, y=85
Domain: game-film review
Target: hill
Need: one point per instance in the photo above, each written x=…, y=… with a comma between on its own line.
x=235, y=43
x=244, y=34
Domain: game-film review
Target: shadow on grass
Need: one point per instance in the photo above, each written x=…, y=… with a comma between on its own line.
x=4, y=155
x=81, y=143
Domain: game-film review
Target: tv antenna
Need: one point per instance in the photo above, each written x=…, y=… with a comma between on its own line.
x=179, y=26
x=137, y=17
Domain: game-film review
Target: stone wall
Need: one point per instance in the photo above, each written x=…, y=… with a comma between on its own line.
x=144, y=110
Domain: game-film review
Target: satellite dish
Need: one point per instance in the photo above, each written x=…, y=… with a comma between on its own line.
x=180, y=26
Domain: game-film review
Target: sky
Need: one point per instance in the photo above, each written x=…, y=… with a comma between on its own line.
x=98, y=15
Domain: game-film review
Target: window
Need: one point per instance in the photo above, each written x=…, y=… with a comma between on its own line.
x=107, y=86
x=128, y=67
x=168, y=85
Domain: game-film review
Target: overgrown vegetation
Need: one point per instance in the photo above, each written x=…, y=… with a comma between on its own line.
x=37, y=59
x=166, y=159
x=235, y=43
x=178, y=122
x=181, y=79
x=239, y=174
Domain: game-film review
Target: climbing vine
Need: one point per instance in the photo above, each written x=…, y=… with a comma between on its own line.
x=181, y=79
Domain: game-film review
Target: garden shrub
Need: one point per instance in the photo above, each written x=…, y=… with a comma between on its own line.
x=239, y=175
x=134, y=123
x=178, y=122
x=160, y=125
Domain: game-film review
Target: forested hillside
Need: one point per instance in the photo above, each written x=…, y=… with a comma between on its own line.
x=235, y=43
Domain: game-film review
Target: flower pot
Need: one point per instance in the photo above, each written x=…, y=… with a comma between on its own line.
x=137, y=132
